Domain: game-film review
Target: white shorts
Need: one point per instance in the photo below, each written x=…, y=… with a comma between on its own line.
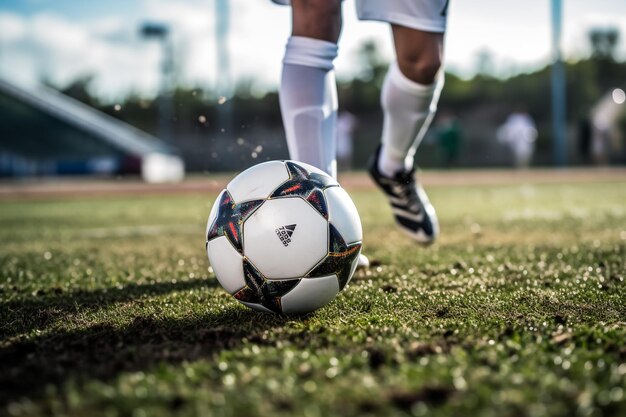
x=424, y=15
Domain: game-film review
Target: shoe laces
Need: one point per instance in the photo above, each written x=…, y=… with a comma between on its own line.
x=404, y=187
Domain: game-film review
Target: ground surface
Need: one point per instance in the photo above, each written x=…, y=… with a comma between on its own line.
x=107, y=308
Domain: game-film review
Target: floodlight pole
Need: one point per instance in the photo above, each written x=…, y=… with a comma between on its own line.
x=559, y=122
x=161, y=32
x=223, y=79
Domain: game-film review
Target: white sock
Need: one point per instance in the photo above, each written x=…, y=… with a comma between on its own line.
x=408, y=109
x=308, y=102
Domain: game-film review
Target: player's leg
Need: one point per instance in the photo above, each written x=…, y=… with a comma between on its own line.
x=409, y=100
x=308, y=91
x=409, y=96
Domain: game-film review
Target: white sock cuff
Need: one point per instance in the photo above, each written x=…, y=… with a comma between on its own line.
x=412, y=87
x=310, y=52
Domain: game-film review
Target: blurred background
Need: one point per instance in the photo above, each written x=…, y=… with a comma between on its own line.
x=162, y=88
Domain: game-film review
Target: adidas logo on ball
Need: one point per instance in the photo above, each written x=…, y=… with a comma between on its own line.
x=284, y=233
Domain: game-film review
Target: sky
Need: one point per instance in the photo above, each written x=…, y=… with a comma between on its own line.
x=60, y=40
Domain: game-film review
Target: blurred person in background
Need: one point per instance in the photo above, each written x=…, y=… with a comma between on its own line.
x=308, y=95
x=449, y=138
x=519, y=133
x=606, y=141
x=346, y=125
x=584, y=138
x=600, y=141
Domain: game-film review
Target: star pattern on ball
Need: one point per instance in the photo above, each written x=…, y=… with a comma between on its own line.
x=230, y=218
x=259, y=290
x=309, y=186
x=339, y=260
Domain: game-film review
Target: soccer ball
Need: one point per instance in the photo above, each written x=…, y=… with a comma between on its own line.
x=283, y=237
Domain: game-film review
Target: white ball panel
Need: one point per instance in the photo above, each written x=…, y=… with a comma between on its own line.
x=310, y=294
x=343, y=214
x=227, y=264
x=311, y=168
x=265, y=249
x=258, y=182
x=213, y=213
x=257, y=307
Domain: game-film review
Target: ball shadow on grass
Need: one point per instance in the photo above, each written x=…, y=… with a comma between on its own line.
x=103, y=351
x=44, y=308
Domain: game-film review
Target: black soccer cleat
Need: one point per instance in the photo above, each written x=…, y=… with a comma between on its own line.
x=409, y=203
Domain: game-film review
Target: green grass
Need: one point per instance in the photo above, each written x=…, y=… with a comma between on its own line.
x=107, y=309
